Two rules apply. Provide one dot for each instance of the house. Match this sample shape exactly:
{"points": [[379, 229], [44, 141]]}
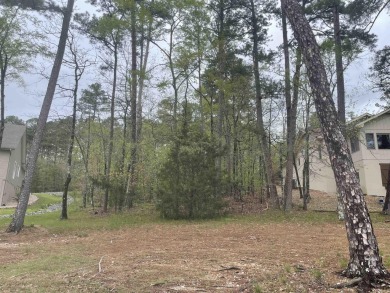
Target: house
{"points": [[12, 162], [369, 142]]}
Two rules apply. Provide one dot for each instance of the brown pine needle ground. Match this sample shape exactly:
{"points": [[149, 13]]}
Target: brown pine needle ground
{"points": [[293, 253]]}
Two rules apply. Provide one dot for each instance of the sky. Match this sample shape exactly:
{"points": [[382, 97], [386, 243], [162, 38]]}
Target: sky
{"points": [[25, 101]]}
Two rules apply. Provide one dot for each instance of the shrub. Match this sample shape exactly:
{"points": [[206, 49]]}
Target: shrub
{"points": [[189, 184]]}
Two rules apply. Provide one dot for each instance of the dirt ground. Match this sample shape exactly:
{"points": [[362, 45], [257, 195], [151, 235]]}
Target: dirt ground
{"points": [[319, 201], [214, 256]]}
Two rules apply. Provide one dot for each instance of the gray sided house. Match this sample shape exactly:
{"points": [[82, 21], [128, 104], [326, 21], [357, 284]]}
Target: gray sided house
{"points": [[12, 162]]}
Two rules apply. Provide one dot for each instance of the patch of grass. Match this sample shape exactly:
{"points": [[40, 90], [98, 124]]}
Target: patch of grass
{"points": [[317, 274], [377, 217], [93, 220], [44, 200], [51, 269], [343, 261], [86, 220], [386, 261], [257, 289]]}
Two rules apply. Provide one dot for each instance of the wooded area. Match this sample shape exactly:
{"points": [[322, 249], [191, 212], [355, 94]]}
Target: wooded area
{"points": [[183, 104]]}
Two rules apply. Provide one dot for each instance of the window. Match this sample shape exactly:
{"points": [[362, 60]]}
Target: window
{"points": [[354, 145], [370, 141], [383, 140]]}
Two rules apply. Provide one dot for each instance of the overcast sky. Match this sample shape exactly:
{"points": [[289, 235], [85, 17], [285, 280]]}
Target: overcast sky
{"points": [[25, 102]]}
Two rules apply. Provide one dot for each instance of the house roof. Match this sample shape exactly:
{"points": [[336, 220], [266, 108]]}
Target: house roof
{"points": [[12, 135], [360, 118], [371, 117]]}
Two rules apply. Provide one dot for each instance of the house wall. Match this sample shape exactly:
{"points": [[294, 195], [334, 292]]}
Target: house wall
{"points": [[322, 178], [321, 173], [15, 173], [4, 159], [367, 160]]}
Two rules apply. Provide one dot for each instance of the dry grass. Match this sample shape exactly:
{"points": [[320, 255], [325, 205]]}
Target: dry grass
{"points": [[241, 254]]}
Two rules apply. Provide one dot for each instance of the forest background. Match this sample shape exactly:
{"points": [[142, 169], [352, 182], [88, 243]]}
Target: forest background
{"points": [[190, 94]]}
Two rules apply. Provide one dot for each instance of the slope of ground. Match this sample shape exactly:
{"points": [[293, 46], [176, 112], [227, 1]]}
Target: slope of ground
{"points": [[271, 252]]}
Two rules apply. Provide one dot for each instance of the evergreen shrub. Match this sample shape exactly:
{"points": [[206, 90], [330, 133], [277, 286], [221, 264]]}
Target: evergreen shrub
{"points": [[189, 185]]}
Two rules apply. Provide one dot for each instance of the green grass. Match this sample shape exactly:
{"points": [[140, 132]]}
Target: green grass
{"points": [[49, 263], [317, 274], [86, 220], [48, 266], [44, 200]]}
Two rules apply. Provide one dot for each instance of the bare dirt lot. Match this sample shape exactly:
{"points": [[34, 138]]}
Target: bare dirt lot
{"points": [[230, 255]]}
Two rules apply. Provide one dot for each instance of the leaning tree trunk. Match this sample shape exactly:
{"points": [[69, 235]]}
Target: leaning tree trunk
{"points": [[340, 87], [20, 211], [365, 260]]}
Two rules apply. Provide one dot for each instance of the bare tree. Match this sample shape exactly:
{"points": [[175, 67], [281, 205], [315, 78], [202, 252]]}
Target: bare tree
{"points": [[78, 63]]}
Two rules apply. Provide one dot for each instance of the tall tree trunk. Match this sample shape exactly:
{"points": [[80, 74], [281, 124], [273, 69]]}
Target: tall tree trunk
{"points": [[141, 80], [199, 65], [306, 173], [107, 169], [221, 55], [3, 60], [271, 186], [120, 198], [290, 123], [133, 109], [85, 157], [298, 180], [20, 211], [340, 87], [64, 211], [339, 67], [87, 187], [365, 260], [174, 77], [306, 164]]}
